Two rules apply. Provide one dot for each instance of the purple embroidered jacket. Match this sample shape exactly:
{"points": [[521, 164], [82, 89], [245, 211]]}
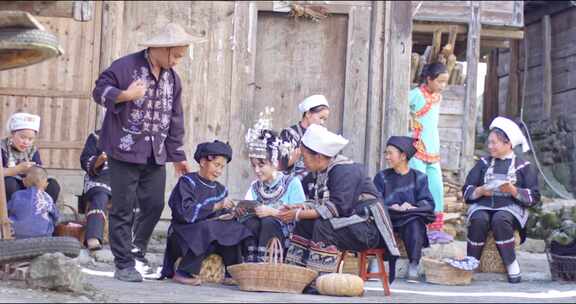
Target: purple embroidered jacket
{"points": [[153, 125]]}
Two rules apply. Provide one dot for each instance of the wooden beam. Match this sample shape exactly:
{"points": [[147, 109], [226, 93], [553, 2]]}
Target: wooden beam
{"points": [[397, 76], [513, 80], [547, 65], [79, 10], [471, 100], [551, 8], [501, 33], [44, 93]]}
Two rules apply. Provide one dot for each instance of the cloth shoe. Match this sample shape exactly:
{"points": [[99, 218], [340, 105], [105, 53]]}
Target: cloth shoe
{"points": [[514, 279], [413, 273], [128, 275]]}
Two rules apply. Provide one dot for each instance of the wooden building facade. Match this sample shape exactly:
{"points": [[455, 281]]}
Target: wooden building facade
{"points": [[255, 55]]}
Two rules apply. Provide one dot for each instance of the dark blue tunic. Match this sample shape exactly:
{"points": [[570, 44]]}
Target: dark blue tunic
{"points": [[193, 219], [411, 188], [151, 127]]}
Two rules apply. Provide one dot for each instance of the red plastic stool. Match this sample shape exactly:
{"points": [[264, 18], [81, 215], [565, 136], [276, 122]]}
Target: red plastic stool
{"points": [[382, 274]]}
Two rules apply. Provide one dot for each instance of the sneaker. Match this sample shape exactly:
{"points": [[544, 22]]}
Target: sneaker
{"points": [[413, 273], [143, 266], [128, 275]]}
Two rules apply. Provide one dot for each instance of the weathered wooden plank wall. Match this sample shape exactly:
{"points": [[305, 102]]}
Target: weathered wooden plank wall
{"points": [[58, 90], [496, 13]]}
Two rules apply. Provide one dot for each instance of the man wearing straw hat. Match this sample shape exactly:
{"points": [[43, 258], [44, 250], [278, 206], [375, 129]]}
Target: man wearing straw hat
{"points": [[142, 130]]}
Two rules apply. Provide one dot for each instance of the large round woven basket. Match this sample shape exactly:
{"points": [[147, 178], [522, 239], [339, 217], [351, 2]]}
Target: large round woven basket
{"points": [[273, 276], [438, 272], [490, 261]]}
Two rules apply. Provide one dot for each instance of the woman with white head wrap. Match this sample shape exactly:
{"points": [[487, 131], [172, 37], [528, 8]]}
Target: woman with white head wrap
{"points": [[19, 153], [500, 189], [345, 211], [314, 110]]}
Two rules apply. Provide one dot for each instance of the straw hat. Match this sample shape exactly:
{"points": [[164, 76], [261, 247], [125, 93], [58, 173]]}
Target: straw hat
{"points": [[171, 35]]}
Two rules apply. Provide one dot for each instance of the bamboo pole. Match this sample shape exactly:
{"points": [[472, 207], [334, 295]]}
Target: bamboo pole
{"points": [[4, 221]]}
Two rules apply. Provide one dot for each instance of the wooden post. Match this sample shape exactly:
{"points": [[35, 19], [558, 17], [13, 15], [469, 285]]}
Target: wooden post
{"points": [[4, 221], [470, 109], [547, 64], [372, 152], [397, 56], [490, 109], [513, 80], [111, 41]]}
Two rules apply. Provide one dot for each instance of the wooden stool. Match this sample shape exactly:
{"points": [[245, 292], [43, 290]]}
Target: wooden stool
{"points": [[490, 261], [382, 274]]}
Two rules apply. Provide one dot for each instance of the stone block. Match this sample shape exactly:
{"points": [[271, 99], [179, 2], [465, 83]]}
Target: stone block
{"points": [[54, 271], [533, 246]]}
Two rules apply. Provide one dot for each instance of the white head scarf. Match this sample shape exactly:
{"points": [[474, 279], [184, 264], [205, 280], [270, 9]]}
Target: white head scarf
{"points": [[512, 131], [322, 141], [311, 102], [19, 121]]}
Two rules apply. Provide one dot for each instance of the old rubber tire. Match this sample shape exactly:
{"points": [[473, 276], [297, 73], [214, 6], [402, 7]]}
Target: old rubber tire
{"points": [[26, 249], [23, 47]]}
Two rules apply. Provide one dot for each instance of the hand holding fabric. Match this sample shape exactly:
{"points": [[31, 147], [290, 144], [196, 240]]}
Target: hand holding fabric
{"points": [[264, 211], [509, 188], [287, 216]]}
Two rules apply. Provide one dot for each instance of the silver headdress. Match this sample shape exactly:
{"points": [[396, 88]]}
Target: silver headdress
{"points": [[261, 141]]}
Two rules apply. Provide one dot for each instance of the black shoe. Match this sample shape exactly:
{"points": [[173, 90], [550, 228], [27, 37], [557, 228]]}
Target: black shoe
{"points": [[310, 290], [128, 275], [515, 279]]}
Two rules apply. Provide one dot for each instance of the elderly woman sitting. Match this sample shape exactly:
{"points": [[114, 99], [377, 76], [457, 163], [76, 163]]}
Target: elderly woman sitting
{"points": [[500, 189], [409, 201]]}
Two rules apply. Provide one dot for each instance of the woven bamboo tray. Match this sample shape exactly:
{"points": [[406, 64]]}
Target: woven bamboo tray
{"points": [[438, 272], [490, 261], [273, 276]]}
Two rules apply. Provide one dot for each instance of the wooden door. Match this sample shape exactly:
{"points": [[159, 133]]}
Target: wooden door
{"points": [[279, 60], [59, 90]]}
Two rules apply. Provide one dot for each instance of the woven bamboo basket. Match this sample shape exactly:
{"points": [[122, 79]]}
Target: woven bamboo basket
{"points": [[490, 261], [438, 272], [273, 275], [350, 262]]}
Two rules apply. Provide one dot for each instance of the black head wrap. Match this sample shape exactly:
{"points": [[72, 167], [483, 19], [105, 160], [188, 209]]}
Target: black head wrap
{"points": [[404, 144], [215, 148]]}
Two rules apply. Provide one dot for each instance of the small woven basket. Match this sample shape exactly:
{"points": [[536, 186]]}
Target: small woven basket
{"points": [[562, 267], [75, 229], [490, 261], [438, 272], [273, 275]]}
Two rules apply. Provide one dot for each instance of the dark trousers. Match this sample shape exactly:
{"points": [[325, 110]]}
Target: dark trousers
{"points": [[14, 184], [263, 230], [356, 237], [502, 224], [130, 183], [95, 214], [414, 236]]}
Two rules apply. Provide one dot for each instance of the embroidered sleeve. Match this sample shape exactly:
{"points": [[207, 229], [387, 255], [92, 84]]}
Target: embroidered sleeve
{"points": [[327, 211], [528, 192], [89, 156], [473, 180], [107, 89]]}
